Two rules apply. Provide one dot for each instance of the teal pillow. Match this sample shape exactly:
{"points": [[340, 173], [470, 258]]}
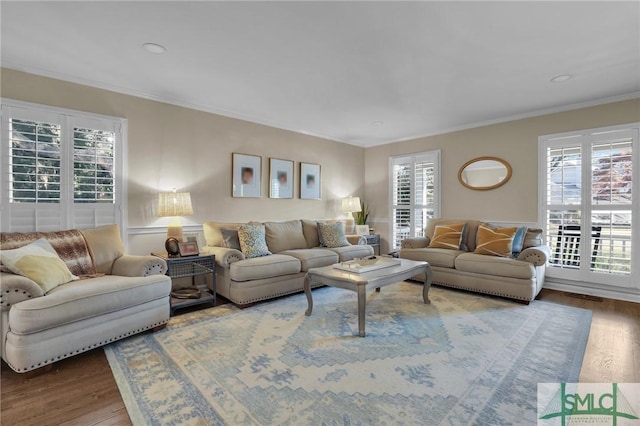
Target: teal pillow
{"points": [[332, 235], [253, 242], [518, 241]]}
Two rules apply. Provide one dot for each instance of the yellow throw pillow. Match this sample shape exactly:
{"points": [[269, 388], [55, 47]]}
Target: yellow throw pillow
{"points": [[40, 263], [495, 242], [447, 236]]}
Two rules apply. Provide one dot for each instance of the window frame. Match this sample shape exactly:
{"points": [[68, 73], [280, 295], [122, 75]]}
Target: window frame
{"points": [[586, 139], [70, 213], [433, 156]]}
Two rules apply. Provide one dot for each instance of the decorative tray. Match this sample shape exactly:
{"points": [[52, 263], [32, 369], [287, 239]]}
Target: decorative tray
{"points": [[367, 264]]}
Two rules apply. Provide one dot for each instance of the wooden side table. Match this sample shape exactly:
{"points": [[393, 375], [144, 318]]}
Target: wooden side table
{"points": [[192, 266]]}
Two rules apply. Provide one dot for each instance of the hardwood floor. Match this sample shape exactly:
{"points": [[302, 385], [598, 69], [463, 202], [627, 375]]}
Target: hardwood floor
{"points": [[82, 391]]}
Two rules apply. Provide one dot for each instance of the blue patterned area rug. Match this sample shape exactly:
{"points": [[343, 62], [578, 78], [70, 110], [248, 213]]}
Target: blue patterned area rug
{"points": [[464, 359]]}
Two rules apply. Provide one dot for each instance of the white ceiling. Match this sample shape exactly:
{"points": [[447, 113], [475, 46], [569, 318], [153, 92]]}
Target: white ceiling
{"points": [[333, 68]]}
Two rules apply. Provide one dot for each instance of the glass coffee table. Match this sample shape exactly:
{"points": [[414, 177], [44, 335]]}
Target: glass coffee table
{"points": [[361, 282]]}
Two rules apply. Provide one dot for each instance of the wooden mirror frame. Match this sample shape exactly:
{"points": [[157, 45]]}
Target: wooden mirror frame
{"points": [[485, 188]]}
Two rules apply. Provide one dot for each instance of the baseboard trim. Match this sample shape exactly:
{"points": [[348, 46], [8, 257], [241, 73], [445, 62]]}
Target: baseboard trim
{"points": [[627, 295]]}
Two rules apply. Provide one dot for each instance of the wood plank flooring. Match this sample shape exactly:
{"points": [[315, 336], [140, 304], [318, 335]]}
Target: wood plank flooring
{"points": [[82, 391]]}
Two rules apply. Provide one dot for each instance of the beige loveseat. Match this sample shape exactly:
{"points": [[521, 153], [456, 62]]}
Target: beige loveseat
{"points": [[124, 295], [520, 277], [296, 248]]}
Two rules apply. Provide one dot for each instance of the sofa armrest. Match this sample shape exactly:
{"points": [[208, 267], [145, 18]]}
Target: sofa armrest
{"points": [[139, 266], [357, 240], [224, 256], [16, 288], [415, 243], [538, 255]]}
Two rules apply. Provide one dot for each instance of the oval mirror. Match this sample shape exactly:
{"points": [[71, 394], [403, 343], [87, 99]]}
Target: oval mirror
{"points": [[484, 173]]}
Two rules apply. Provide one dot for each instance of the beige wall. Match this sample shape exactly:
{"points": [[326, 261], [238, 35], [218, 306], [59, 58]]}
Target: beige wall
{"points": [[171, 146], [515, 141]]}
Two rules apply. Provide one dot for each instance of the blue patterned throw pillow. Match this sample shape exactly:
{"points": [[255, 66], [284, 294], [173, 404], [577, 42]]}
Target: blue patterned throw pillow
{"points": [[332, 235], [253, 242]]}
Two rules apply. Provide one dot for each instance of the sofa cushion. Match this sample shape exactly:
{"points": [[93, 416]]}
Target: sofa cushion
{"points": [[83, 299], [259, 268], [253, 241], [444, 258], [332, 235], [40, 263], [283, 236], [230, 238], [493, 265], [311, 234], [533, 238], [495, 241], [105, 245], [350, 252], [447, 236], [313, 258]]}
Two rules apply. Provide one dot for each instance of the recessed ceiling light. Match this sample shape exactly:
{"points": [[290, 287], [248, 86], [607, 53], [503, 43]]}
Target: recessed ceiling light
{"points": [[154, 48], [377, 123], [561, 78]]}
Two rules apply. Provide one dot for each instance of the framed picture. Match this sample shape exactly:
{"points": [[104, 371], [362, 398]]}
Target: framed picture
{"points": [[310, 182], [280, 178], [189, 249], [247, 172], [192, 237]]}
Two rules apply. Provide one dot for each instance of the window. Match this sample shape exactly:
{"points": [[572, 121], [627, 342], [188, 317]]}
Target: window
{"points": [[415, 187], [62, 169], [589, 204]]}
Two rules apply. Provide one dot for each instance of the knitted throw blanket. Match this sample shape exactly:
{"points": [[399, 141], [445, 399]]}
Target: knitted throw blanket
{"points": [[70, 246]]}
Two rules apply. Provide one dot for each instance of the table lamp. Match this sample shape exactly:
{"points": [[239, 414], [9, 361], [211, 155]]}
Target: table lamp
{"points": [[349, 206], [174, 204]]}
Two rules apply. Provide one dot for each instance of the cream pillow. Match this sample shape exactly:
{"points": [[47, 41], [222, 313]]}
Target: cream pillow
{"points": [[40, 263]]}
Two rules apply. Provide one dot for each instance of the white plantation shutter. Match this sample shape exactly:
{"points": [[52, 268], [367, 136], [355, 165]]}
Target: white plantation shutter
{"points": [[589, 204], [62, 169], [97, 180], [414, 194]]}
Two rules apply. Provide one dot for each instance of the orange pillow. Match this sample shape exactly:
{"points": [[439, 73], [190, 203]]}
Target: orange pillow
{"points": [[495, 242], [447, 236]]}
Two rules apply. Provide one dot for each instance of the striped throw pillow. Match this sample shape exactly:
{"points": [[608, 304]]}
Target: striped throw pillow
{"points": [[447, 236], [495, 242]]}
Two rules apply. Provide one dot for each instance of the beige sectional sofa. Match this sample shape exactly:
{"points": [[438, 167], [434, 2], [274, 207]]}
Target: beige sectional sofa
{"points": [[296, 248], [124, 295], [520, 277]]}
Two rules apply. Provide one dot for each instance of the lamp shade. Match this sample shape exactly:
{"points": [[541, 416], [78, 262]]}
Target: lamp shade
{"points": [[174, 204], [351, 204]]}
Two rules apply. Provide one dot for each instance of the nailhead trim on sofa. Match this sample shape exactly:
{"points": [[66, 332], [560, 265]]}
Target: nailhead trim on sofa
{"points": [[86, 348], [493, 293]]}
